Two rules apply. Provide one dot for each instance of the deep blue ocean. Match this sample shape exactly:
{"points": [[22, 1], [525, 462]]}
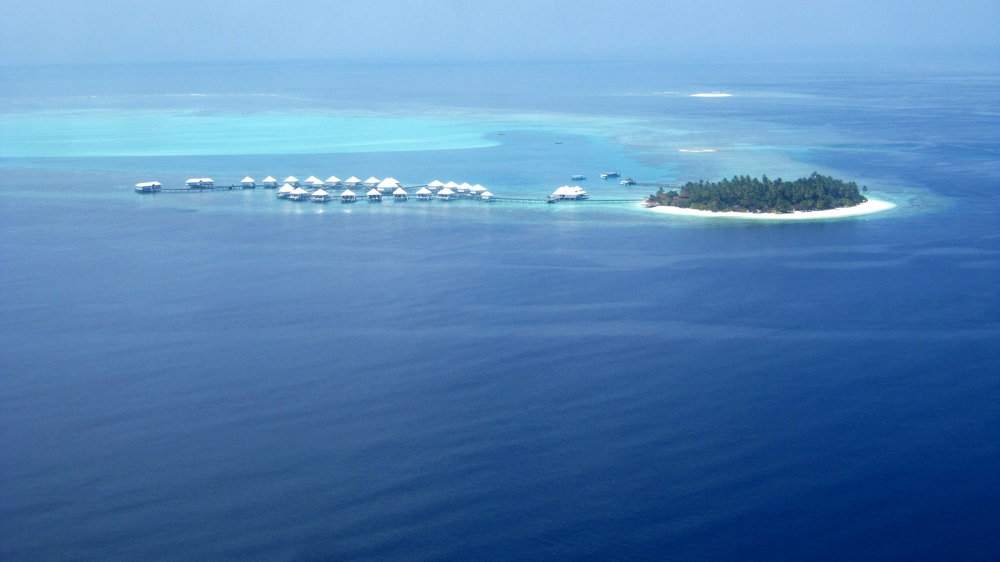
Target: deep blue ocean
{"points": [[227, 376]]}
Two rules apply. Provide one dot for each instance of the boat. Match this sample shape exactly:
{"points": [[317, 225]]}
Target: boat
{"points": [[320, 196], [399, 194], [607, 175], [148, 187], [627, 181], [567, 193], [348, 196], [578, 177]]}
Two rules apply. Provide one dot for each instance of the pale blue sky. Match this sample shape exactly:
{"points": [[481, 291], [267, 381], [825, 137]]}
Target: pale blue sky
{"points": [[57, 31]]}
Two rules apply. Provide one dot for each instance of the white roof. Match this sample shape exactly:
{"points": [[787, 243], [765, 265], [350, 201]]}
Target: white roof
{"points": [[423, 191], [567, 190], [312, 179], [451, 184], [299, 191], [353, 179], [291, 179], [446, 191], [247, 179], [374, 192], [387, 183], [464, 186], [372, 180], [347, 193], [333, 179], [399, 191], [202, 180], [317, 183], [435, 183], [486, 194], [269, 179], [148, 184], [477, 187], [319, 192], [285, 188]]}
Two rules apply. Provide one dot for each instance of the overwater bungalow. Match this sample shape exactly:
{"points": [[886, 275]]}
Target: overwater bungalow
{"points": [[399, 194], [148, 187], [313, 179], [200, 183], [486, 196], [388, 184], [476, 190], [435, 185], [445, 194], [374, 195], [463, 188], [270, 182], [372, 181], [298, 194], [320, 196], [451, 185], [424, 194], [248, 183], [284, 191], [352, 182], [332, 181], [292, 180], [316, 184], [348, 196], [567, 193]]}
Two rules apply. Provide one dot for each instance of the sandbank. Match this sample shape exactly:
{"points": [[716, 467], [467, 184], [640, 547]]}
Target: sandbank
{"points": [[868, 207], [712, 95]]}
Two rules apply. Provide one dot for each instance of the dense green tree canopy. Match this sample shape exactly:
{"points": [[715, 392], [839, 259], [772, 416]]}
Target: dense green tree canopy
{"points": [[743, 193]]}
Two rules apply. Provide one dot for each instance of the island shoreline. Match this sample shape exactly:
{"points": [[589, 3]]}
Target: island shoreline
{"points": [[866, 208]]}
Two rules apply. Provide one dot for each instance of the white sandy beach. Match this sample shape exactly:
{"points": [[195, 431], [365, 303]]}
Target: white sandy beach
{"points": [[866, 208]]}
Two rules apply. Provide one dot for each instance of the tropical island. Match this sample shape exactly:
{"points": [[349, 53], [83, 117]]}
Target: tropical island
{"points": [[743, 194]]}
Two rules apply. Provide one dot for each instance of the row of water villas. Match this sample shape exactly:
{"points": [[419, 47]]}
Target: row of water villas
{"points": [[293, 190]]}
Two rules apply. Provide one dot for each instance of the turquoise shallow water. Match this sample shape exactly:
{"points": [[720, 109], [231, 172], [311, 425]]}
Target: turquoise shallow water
{"points": [[227, 376]]}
